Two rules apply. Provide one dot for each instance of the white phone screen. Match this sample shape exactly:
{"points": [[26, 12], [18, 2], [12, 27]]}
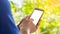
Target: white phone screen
{"points": [[36, 15]]}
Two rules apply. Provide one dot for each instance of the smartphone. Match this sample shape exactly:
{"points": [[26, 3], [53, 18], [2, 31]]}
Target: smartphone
{"points": [[36, 15]]}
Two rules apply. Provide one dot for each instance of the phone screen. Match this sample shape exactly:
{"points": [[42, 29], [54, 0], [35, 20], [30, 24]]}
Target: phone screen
{"points": [[36, 16]]}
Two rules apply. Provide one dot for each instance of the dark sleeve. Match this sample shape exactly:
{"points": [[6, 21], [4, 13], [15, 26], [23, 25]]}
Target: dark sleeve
{"points": [[7, 24]]}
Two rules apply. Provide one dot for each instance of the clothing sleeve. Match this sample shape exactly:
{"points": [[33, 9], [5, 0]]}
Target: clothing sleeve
{"points": [[7, 24]]}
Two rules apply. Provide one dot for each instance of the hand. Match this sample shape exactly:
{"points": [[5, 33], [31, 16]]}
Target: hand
{"points": [[27, 23]]}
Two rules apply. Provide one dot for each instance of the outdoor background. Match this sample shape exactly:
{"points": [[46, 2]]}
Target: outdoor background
{"points": [[50, 21]]}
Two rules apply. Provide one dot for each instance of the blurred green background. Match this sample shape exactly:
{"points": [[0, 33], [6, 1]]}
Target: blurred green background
{"points": [[50, 21]]}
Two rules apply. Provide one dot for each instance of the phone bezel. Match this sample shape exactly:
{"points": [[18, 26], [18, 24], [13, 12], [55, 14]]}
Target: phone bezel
{"points": [[41, 15]]}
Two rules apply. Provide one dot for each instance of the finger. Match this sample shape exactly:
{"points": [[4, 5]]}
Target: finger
{"points": [[23, 20], [28, 17], [30, 21], [37, 25], [27, 22], [32, 26], [24, 23]]}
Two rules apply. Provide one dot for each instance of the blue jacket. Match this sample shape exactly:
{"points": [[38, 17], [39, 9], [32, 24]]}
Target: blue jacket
{"points": [[7, 24]]}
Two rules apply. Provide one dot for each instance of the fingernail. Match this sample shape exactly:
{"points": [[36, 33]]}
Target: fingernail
{"points": [[32, 19]]}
